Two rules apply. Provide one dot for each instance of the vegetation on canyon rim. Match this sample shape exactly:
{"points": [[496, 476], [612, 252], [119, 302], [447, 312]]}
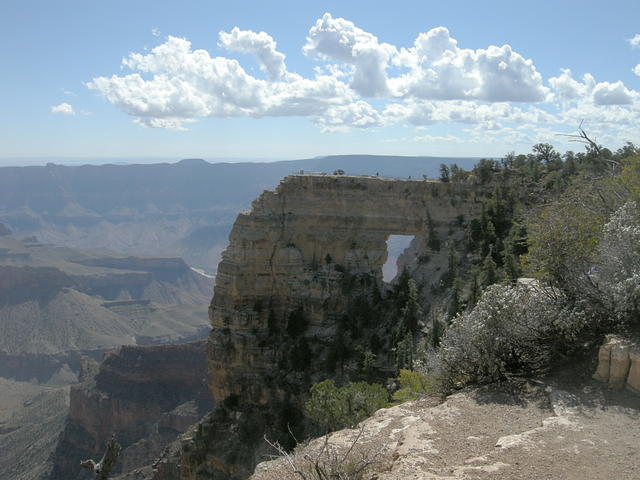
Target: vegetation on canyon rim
{"points": [[571, 221]]}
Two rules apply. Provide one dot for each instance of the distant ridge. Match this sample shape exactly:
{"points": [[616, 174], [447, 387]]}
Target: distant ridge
{"points": [[182, 209]]}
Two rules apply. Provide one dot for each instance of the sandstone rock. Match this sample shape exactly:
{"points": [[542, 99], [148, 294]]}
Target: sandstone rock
{"points": [[619, 364], [294, 264], [633, 378], [481, 434], [604, 362], [289, 253]]}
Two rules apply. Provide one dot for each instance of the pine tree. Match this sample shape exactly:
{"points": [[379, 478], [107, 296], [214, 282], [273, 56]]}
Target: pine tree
{"points": [[489, 271], [474, 289]]}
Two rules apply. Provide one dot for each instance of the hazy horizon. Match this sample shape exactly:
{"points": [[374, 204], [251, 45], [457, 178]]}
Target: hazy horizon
{"points": [[79, 161]]}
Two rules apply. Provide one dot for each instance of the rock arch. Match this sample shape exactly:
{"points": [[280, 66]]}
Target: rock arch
{"points": [[290, 253]]}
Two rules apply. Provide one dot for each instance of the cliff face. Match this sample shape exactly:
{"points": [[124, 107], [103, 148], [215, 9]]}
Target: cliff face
{"points": [[297, 258], [145, 396], [298, 265]]}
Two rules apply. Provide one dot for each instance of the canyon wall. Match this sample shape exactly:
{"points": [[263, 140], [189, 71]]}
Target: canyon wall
{"points": [[145, 396], [301, 253]]}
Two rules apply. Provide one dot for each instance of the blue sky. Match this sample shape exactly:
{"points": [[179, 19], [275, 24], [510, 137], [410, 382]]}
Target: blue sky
{"points": [[281, 79]]}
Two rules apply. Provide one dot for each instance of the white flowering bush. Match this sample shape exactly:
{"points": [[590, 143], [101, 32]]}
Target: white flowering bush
{"points": [[618, 274], [512, 330]]}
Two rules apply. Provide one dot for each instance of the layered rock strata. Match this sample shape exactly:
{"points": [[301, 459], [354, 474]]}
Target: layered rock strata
{"points": [[295, 266], [294, 260], [145, 396]]}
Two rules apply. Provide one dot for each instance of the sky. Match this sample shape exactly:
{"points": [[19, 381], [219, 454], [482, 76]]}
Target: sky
{"points": [[142, 79]]}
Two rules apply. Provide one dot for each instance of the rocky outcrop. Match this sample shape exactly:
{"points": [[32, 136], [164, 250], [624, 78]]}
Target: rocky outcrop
{"points": [[303, 263], [297, 257], [619, 364], [297, 266], [532, 432], [145, 396]]}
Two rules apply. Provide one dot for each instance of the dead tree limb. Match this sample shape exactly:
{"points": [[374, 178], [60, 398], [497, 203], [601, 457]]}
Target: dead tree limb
{"points": [[102, 469]]}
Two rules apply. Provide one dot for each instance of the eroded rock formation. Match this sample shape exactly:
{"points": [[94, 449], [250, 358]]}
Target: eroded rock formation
{"points": [[297, 257], [484, 434], [298, 264], [145, 396]]}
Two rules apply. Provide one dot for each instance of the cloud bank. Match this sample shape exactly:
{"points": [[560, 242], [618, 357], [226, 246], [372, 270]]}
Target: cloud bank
{"points": [[361, 82]]}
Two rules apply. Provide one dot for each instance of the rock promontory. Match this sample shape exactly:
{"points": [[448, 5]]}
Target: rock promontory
{"points": [[294, 261]]}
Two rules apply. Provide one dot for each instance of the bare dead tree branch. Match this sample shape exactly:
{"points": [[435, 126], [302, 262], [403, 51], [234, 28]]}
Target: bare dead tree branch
{"points": [[327, 463], [582, 137], [102, 469]]}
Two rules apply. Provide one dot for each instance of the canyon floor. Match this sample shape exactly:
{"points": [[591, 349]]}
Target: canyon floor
{"points": [[563, 427]]}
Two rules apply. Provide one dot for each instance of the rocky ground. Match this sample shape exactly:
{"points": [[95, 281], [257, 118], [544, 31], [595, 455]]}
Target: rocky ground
{"points": [[564, 427]]}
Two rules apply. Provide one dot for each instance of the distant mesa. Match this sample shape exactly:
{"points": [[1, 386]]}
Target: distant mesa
{"points": [[192, 162]]}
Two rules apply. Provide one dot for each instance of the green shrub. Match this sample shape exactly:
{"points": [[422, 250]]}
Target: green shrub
{"points": [[413, 385], [334, 407]]}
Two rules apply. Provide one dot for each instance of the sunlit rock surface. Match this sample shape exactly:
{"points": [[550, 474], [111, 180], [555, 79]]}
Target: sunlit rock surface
{"points": [[619, 364], [287, 258]]}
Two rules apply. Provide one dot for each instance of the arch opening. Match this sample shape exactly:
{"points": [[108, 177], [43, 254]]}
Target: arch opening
{"points": [[396, 245]]}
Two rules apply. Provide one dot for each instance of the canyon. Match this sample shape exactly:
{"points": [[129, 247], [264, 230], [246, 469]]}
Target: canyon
{"points": [[144, 395], [61, 310], [297, 300]]}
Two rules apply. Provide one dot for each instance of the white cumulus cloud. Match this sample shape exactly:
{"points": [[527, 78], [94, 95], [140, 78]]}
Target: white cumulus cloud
{"points": [[337, 39], [566, 88], [492, 89], [63, 108], [174, 84], [440, 70], [358, 114], [636, 69], [260, 44], [606, 93], [635, 40]]}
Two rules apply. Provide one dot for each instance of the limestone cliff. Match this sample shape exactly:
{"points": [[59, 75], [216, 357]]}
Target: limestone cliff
{"points": [[303, 263], [297, 258]]}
